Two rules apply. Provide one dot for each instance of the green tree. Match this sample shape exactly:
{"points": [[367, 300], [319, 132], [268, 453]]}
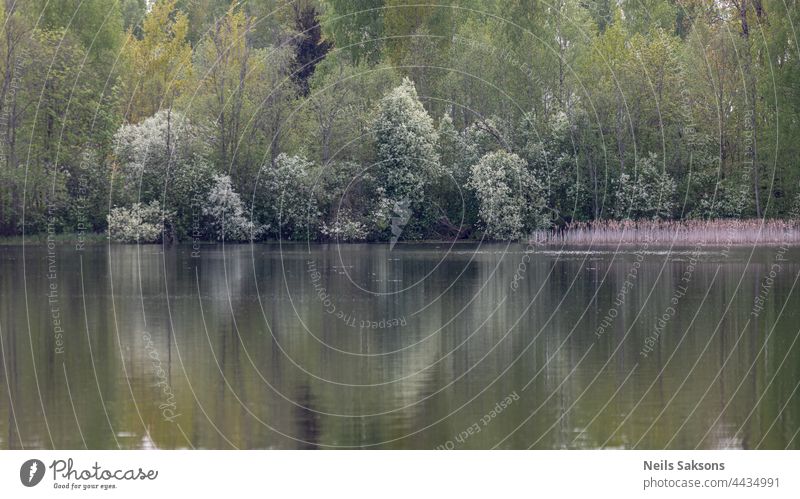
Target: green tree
{"points": [[95, 24], [158, 66], [648, 192], [228, 69], [357, 27], [133, 13], [164, 158], [406, 144], [310, 47], [511, 201]]}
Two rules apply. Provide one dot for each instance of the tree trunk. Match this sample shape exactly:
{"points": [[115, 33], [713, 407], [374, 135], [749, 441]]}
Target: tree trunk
{"points": [[751, 96]]}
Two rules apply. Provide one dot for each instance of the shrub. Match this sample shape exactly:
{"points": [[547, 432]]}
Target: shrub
{"points": [[287, 203], [165, 157], [227, 213], [345, 227], [511, 201], [648, 193], [138, 224], [406, 142]]}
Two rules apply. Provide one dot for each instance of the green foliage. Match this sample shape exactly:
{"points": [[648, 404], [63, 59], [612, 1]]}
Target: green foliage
{"points": [[356, 26], [88, 193], [310, 48], [550, 154], [648, 192], [159, 65], [95, 24], [341, 106], [133, 13], [230, 79], [286, 203], [562, 100], [644, 16], [511, 201], [406, 144]]}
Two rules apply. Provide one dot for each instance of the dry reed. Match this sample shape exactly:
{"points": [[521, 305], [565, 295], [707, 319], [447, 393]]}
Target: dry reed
{"points": [[721, 232]]}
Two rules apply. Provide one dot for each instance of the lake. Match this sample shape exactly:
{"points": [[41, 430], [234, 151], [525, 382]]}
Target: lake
{"points": [[425, 346]]}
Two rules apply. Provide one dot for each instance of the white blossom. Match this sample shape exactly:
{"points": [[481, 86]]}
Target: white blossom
{"points": [[345, 227], [407, 144], [140, 223], [510, 199], [227, 212], [289, 202]]}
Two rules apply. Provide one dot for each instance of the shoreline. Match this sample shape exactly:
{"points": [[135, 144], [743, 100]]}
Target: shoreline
{"points": [[582, 234]]}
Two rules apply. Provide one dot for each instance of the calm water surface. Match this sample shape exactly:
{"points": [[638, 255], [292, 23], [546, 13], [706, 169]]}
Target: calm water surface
{"points": [[469, 346]]}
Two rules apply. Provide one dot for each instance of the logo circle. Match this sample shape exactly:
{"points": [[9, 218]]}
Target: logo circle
{"points": [[31, 472]]}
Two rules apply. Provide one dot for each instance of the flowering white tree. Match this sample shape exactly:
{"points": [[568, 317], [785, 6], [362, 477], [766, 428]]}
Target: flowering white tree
{"points": [[406, 144], [286, 200], [511, 201], [227, 212], [164, 158], [166, 139], [138, 224], [345, 227], [719, 198]]}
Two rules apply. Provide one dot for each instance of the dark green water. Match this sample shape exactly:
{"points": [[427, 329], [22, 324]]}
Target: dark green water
{"points": [[418, 347]]}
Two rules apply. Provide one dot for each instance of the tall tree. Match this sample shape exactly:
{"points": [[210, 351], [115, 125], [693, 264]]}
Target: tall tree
{"points": [[310, 48], [159, 65], [96, 24], [357, 27], [228, 68], [748, 12], [406, 141]]}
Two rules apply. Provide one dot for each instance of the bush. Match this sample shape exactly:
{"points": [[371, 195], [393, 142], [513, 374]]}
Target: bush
{"points": [[345, 227], [714, 198], [648, 193], [287, 203], [165, 157], [511, 201], [406, 144], [227, 213], [138, 224]]}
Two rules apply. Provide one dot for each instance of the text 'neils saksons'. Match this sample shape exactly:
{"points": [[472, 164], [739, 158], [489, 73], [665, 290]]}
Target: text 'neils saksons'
{"points": [[664, 465]]}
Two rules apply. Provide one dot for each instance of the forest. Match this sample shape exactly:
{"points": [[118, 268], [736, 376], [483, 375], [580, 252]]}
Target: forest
{"points": [[378, 120]]}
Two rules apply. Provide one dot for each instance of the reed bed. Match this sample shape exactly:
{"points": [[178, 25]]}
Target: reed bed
{"points": [[720, 232]]}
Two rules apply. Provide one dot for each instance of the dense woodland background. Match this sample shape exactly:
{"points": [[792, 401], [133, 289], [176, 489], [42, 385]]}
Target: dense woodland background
{"points": [[346, 119]]}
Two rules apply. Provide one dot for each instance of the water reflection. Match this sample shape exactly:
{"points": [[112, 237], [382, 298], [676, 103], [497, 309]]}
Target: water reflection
{"points": [[285, 346]]}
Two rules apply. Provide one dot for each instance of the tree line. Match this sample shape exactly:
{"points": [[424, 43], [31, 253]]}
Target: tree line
{"points": [[367, 119]]}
